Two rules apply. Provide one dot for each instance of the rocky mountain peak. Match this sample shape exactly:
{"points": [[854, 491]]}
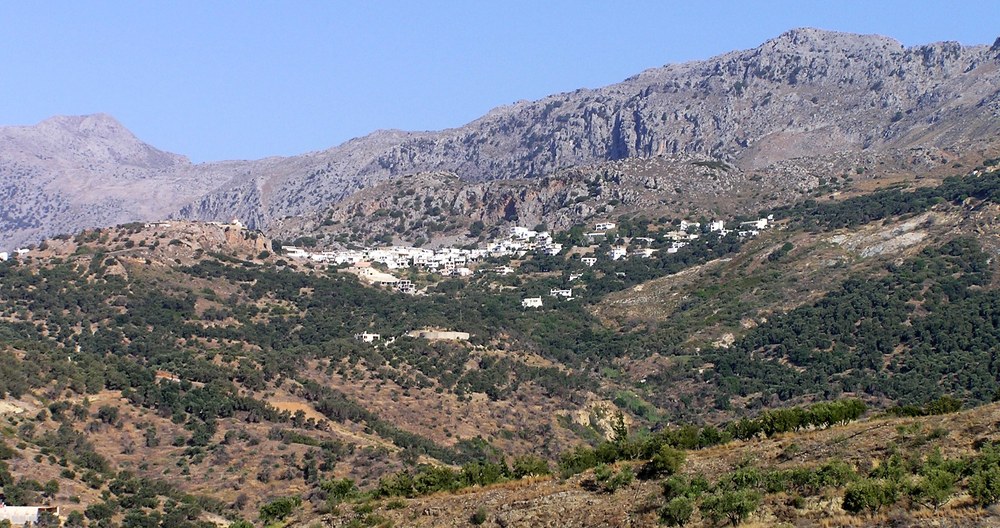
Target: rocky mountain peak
{"points": [[99, 125], [96, 139], [824, 41]]}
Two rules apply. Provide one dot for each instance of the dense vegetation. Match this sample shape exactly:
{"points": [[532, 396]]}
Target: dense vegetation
{"points": [[933, 306], [894, 202]]}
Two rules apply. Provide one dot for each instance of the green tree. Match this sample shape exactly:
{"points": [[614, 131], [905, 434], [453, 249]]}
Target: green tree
{"points": [[870, 495], [665, 462], [936, 487], [984, 486], [734, 506], [677, 511], [278, 509]]}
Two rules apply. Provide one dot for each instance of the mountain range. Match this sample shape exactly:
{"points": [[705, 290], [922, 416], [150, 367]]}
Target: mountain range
{"points": [[777, 117]]}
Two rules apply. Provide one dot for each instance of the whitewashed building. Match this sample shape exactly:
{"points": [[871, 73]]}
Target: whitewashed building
{"points": [[618, 252], [367, 337], [531, 302], [21, 515]]}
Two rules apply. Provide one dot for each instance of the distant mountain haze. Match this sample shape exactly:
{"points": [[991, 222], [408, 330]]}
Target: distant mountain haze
{"points": [[806, 94]]}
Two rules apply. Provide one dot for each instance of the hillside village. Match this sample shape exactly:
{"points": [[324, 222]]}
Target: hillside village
{"points": [[517, 242]]}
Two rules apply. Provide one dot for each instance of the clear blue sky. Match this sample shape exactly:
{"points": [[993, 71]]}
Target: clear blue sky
{"points": [[218, 80]]}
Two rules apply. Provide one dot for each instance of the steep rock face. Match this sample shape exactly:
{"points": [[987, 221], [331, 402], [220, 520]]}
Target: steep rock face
{"points": [[441, 209], [805, 93]]}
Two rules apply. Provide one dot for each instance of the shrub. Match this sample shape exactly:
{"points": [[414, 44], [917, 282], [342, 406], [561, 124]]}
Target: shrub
{"points": [[936, 488], [339, 489], [278, 509], [870, 495], [479, 517], [735, 506], [677, 512], [607, 480], [665, 462], [528, 465], [984, 486]]}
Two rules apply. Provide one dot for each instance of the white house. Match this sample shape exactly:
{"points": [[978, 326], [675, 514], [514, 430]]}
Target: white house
{"points": [[461, 272], [366, 337], [531, 302], [604, 226], [589, 261], [618, 252], [500, 270], [406, 286], [556, 292], [374, 276], [522, 233], [4, 256], [717, 226], [574, 276], [21, 515], [755, 225], [295, 252], [685, 225], [439, 335], [550, 249]]}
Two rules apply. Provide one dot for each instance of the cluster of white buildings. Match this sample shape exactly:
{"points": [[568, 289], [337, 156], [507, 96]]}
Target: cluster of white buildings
{"points": [[518, 242], [521, 240], [686, 232], [455, 261], [395, 257]]}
